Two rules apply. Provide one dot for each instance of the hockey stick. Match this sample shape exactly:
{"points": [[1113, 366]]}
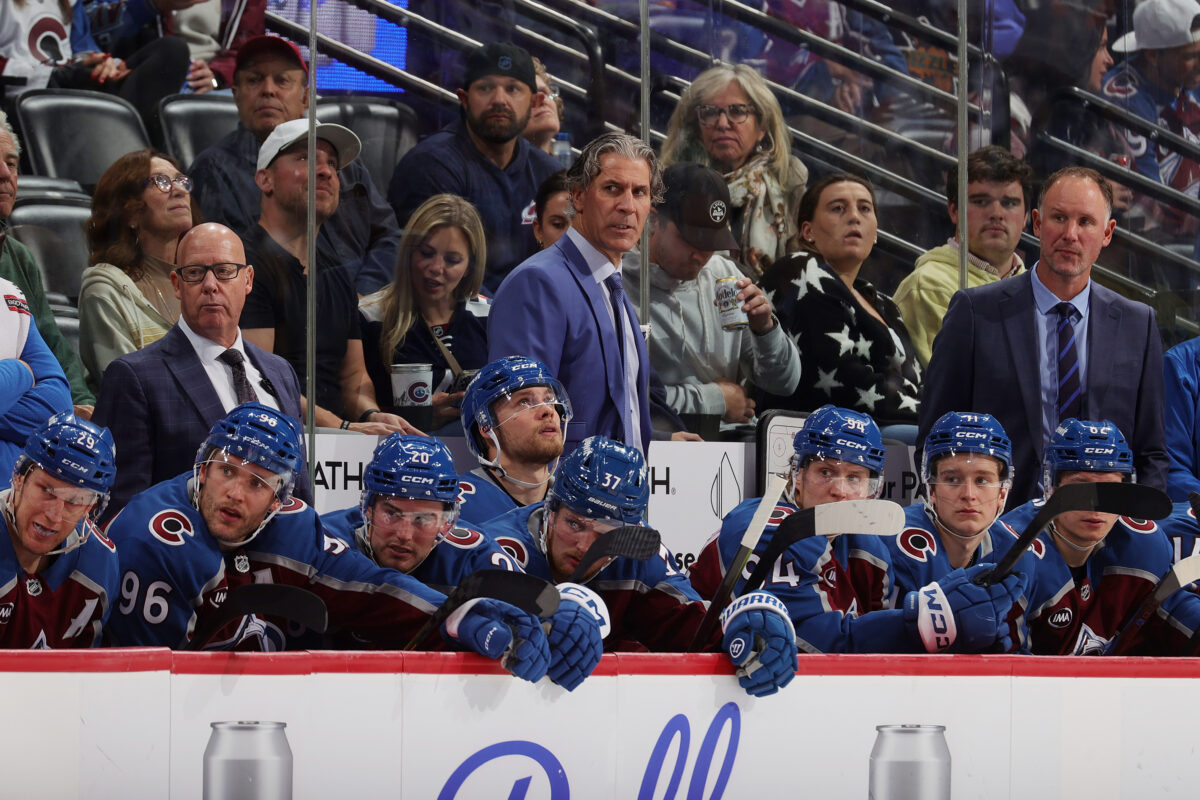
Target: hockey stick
{"points": [[1124, 499], [762, 515], [1184, 572], [262, 599], [866, 517], [527, 592], [628, 541]]}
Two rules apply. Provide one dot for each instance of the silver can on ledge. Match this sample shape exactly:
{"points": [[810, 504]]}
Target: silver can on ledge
{"points": [[910, 762], [248, 761]]}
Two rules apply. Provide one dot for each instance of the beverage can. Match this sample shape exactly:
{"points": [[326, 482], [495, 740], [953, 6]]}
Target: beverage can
{"points": [[249, 760], [910, 762], [412, 393], [730, 308]]}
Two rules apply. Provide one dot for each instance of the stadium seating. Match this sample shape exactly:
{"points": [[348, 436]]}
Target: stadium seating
{"points": [[54, 230], [387, 128], [191, 123]]}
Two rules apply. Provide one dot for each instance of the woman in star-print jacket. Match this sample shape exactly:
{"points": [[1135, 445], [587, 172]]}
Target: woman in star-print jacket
{"points": [[854, 349]]}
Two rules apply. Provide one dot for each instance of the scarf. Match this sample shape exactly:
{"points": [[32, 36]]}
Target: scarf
{"points": [[765, 215]]}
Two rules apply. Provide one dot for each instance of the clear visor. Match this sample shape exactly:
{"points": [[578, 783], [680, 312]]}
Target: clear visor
{"points": [[72, 496], [387, 516], [853, 480], [272, 481], [510, 405]]}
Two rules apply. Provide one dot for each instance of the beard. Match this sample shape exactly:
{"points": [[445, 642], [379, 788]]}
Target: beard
{"points": [[498, 131], [534, 450]]}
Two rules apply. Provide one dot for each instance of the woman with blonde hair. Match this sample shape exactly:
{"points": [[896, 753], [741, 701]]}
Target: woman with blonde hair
{"points": [[426, 314], [729, 120]]}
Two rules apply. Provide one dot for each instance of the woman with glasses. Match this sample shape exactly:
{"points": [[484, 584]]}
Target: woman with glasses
{"points": [[729, 120], [854, 348], [140, 208], [424, 315], [545, 119]]}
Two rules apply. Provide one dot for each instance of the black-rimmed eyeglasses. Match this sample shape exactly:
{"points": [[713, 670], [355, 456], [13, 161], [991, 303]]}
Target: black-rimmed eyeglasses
{"points": [[164, 182], [194, 273]]}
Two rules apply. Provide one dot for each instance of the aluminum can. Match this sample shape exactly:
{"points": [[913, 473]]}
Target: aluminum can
{"points": [[732, 316], [412, 393], [248, 761], [910, 762]]}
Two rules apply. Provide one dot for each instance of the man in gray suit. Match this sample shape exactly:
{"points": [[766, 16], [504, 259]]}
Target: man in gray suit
{"points": [[1051, 344], [163, 399]]}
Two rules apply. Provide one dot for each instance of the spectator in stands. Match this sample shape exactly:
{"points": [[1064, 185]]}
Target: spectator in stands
{"points": [[703, 365], [214, 31], [553, 210], [424, 315], [854, 349], [275, 315], [546, 118], [140, 208], [160, 401], [1158, 81], [998, 192], [729, 120], [484, 158], [1181, 417], [567, 306], [1053, 344], [86, 45], [270, 81], [18, 265]]}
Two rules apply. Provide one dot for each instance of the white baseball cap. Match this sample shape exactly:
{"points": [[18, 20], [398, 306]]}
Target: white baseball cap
{"points": [[1161, 24], [286, 134]]}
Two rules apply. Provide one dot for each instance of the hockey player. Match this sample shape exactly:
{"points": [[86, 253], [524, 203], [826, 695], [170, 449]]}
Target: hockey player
{"points": [[840, 590], [1092, 570], [966, 467], [407, 520], [603, 485], [60, 572], [514, 414], [185, 542]]}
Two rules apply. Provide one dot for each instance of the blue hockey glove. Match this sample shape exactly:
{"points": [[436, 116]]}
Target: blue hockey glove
{"points": [[760, 641], [954, 612], [496, 629], [576, 633]]}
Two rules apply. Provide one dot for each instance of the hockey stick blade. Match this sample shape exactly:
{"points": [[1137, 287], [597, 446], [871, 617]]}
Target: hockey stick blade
{"points": [[263, 599], [628, 541], [865, 517], [762, 515], [527, 592], [1124, 499], [1183, 573]]}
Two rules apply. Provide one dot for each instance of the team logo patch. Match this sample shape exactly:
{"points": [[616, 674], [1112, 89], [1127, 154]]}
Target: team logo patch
{"points": [[241, 562], [418, 392], [917, 544], [1061, 618], [717, 211], [1085, 592], [294, 505], [17, 303], [514, 548], [6, 611], [830, 577], [529, 215], [33, 586], [465, 490], [505, 63], [100, 537], [778, 515], [464, 538], [1140, 525], [170, 526]]}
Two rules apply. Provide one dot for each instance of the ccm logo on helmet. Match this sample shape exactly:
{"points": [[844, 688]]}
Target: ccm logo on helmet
{"points": [[971, 435], [417, 479], [851, 444], [1097, 451]]}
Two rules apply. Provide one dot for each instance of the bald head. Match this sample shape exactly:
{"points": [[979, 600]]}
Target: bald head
{"points": [[212, 307]]}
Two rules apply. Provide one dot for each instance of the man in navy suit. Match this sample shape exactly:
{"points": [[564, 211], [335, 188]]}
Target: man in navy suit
{"points": [[160, 401], [1003, 346], [566, 306]]}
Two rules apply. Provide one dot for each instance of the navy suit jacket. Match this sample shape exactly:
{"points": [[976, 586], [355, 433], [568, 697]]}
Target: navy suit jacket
{"points": [[985, 359], [160, 405], [551, 308]]}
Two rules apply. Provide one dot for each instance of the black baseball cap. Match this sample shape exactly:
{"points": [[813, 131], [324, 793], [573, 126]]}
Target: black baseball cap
{"points": [[500, 58], [697, 200]]}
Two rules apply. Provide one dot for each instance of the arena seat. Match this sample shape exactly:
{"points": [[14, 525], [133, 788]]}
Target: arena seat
{"points": [[387, 128], [40, 187], [192, 123], [54, 231], [71, 133]]}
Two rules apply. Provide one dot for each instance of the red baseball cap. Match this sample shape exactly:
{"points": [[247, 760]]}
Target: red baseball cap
{"points": [[270, 45]]}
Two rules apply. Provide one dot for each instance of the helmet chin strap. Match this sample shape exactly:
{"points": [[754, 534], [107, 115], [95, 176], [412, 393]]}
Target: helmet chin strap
{"points": [[504, 474], [932, 512], [1078, 548]]}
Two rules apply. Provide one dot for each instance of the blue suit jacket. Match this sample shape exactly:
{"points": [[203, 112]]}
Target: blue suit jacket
{"points": [[551, 308], [985, 359], [160, 405]]}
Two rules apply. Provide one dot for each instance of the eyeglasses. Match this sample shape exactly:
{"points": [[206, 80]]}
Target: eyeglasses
{"points": [[737, 113], [194, 273], [953, 484], [419, 521], [164, 183], [551, 91]]}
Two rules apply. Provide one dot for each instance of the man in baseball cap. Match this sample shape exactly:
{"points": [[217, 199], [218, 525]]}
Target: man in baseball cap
{"points": [[483, 157], [697, 359]]}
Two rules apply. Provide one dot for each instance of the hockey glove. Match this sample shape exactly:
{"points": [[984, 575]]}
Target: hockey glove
{"points": [[496, 629], [760, 641], [954, 612], [576, 633]]}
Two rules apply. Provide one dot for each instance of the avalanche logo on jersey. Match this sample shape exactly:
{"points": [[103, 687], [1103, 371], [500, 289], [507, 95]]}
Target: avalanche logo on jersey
{"points": [[919, 545], [294, 505], [170, 526], [514, 548], [529, 215], [778, 515], [254, 634], [465, 490], [1140, 525], [463, 538], [1038, 548], [1088, 643]]}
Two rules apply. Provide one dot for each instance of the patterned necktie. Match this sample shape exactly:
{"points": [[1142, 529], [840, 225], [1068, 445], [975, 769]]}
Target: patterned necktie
{"points": [[1070, 393], [616, 291], [241, 384]]}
